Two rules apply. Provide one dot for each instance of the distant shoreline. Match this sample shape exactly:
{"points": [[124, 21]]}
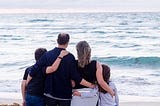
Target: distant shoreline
{"points": [[27, 11]]}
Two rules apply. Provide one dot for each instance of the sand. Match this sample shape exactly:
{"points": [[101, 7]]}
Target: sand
{"points": [[10, 98], [139, 101]]}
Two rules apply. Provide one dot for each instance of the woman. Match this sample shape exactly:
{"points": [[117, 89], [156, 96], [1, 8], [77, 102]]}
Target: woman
{"points": [[105, 99], [90, 70]]}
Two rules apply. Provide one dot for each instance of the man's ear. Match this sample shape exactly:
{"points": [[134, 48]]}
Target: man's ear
{"points": [[67, 43]]}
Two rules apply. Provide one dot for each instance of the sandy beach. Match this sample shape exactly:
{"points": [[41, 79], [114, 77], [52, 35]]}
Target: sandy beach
{"points": [[139, 101], [10, 98]]}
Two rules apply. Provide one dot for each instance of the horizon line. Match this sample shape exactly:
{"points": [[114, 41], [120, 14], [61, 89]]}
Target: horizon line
{"points": [[16, 11]]}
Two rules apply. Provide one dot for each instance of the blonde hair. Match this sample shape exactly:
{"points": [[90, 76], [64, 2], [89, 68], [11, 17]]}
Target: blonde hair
{"points": [[84, 53]]}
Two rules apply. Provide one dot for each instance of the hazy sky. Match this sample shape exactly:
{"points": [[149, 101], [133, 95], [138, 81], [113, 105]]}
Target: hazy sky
{"points": [[148, 5]]}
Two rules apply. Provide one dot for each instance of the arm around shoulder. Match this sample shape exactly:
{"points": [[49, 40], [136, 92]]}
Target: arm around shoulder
{"points": [[56, 64], [101, 81]]}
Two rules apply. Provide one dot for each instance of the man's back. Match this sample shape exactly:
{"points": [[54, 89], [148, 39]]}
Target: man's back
{"points": [[57, 84], [58, 89]]}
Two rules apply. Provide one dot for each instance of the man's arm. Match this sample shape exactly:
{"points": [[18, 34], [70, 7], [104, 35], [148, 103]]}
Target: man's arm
{"points": [[101, 81], [56, 64]]}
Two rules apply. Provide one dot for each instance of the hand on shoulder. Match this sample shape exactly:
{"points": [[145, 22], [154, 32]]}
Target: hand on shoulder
{"points": [[63, 53]]}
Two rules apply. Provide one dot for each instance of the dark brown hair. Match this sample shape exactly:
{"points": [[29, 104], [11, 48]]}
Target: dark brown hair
{"points": [[106, 76], [39, 52], [63, 38]]}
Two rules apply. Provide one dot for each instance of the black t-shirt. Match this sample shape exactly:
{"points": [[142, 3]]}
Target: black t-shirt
{"points": [[58, 83], [36, 85], [88, 73]]}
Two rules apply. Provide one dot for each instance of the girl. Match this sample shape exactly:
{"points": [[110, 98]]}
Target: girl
{"points": [[105, 99]]}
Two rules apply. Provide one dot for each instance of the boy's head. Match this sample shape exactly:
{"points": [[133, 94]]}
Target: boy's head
{"points": [[39, 52], [106, 76]]}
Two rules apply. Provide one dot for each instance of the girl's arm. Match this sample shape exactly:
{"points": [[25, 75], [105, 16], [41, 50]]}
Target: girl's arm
{"points": [[55, 65], [101, 81]]}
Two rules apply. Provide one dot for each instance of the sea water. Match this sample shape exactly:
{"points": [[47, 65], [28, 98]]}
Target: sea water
{"points": [[128, 42]]}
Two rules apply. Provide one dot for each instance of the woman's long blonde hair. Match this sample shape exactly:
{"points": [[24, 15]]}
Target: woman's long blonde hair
{"points": [[84, 53]]}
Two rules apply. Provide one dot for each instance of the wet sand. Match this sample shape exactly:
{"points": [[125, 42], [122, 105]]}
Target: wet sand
{"points": [[11, 98]]}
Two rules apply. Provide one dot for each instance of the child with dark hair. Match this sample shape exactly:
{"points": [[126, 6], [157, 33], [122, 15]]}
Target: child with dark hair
{"points": [[105, 99], [32, 95]]}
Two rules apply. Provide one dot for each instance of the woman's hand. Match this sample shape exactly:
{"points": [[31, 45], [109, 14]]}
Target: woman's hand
{"points": [[76, 93], [63, 53]]}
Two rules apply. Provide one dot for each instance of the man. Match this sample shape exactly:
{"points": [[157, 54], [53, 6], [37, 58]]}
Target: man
{"points": [[58, 88], [32, 95]]}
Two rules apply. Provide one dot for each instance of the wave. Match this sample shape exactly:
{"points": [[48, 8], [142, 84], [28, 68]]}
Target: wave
{"points": [[10, 37], [40, 20], [138, 62]]}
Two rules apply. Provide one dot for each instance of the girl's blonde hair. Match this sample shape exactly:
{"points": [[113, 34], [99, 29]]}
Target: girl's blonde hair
{"points": [[84, 53]]}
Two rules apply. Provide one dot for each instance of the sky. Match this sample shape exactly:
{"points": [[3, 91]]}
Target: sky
{"points": [[105, 5]]}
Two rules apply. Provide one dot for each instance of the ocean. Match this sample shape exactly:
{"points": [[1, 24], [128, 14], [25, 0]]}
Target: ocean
{"points": [[128, 42]]}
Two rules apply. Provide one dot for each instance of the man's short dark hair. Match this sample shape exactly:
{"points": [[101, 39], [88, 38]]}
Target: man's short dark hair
{"points": [[39, 52], [63, 38]]}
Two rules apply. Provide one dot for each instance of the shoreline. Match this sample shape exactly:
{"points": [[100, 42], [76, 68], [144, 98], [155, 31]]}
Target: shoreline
{"points": [[125, 100], [69, 10]]}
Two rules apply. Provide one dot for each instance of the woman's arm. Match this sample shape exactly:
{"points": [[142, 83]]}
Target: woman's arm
{"points": [[88, 93], [101, 81], [87, 84], [55, 65]]}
